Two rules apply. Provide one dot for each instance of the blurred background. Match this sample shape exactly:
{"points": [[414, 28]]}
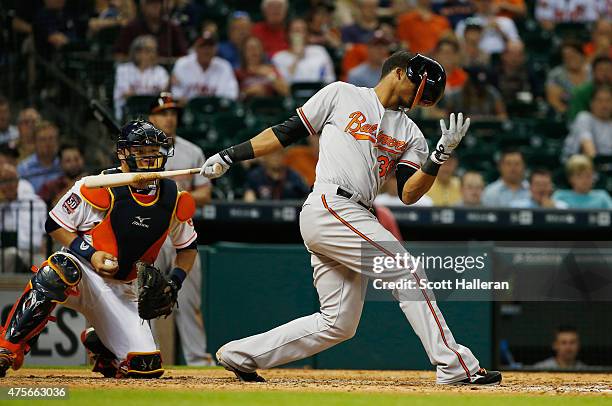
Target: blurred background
{"points": [[534, 76]]}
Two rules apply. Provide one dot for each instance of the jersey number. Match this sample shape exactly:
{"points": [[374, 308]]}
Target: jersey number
{"points": [[385, 165]]}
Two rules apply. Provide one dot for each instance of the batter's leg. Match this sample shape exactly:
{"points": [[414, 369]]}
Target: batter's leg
{"points": [[341, 294]]}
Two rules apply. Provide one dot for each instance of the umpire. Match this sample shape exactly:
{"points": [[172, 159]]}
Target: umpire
{"points": [[190, 324]]}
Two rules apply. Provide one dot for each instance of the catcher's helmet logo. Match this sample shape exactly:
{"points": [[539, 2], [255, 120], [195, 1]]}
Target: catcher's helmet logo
{"points": [[140, 221]]}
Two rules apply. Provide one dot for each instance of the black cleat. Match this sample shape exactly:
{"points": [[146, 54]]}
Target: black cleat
{"points": [[6, 361], [242, 376], [483, 377], [103, 358]]}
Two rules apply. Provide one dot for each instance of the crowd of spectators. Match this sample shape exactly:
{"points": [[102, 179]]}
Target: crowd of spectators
{"points": [[184, 47]]}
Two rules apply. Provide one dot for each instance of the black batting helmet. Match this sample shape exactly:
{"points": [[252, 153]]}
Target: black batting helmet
{"points": [[430, 78], [132, 144]]}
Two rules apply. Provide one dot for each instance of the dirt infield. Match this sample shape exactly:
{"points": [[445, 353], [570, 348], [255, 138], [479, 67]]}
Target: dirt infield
{"points": [[216, 379]]}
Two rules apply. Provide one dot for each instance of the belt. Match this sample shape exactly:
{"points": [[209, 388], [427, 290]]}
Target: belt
{"points": [[348, 195]]}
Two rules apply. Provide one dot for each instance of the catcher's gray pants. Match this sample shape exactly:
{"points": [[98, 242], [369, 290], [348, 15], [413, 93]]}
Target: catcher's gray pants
{"points": [[188, 315], [335, 231]]}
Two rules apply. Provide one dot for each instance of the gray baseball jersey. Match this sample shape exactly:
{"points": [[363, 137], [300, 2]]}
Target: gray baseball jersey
{"points": [[360, 144], [342, 114]]}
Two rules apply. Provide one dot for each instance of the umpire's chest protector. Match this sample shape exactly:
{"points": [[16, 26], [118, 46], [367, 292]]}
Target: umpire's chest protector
{"points": [[132, 230]]}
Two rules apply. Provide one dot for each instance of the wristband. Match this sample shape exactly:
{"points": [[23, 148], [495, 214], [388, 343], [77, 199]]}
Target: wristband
{"points": [[80, 247], [430, 167], [178, 276]]}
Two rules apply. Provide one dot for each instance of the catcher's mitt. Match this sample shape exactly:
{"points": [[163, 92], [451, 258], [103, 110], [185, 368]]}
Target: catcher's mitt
{"points": [[156, 293]]}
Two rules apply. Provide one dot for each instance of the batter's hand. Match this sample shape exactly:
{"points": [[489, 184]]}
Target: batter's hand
{"points": [[104, 264], [451, 137], [216, 166]]}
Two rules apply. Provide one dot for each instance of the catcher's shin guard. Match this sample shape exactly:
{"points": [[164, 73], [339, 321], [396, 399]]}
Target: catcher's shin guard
{"points": [[141, 365], [53, 283]]}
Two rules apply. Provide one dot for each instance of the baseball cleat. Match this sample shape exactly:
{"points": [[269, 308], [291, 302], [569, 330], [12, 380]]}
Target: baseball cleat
{"points": [[103, 358], [6, 361], [483, 377], [242, 376]]}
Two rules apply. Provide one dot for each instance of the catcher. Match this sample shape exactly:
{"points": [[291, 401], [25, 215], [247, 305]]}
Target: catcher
{"points": [[111, 237]]}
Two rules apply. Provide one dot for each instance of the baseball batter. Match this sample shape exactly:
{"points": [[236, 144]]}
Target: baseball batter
{"points": [[188, 316], [364, 136], [108, 234]]}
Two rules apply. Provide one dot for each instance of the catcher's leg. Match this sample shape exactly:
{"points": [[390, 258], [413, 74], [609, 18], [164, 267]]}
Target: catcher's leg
{"points": [[51, 284], [111, 307]]}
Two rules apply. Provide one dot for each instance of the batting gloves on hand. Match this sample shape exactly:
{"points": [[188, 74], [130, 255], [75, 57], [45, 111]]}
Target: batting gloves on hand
{"points": [[450, 138], [216, 165]]}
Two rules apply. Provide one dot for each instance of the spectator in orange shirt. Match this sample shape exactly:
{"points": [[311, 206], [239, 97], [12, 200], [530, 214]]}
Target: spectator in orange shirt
{"points": [[272, 31], [421, 29], [510, 8], [448, 53], [601, 40], [303, 159]]}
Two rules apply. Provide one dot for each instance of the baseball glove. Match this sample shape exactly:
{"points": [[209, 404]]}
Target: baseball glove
{"points": [[156, 293]]}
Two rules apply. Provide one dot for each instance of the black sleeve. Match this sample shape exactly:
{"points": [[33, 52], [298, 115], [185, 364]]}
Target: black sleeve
{"points": [[51, 225], [402, 173], [192, 246], [290, 131]]}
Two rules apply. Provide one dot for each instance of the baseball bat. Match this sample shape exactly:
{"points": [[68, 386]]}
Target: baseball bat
{"points": [[127, 178]]}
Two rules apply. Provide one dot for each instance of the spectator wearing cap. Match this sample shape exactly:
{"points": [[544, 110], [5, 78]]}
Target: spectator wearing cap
{"points": [[511, 185], [367, 74], [201, 73], [43, 165], [272, 30], [27, 120], [238, 30], [471, 53], [257, 78], [541, 189], [564, 78], [142, 75], [421, 29], [171, 41], [303, 62], [497, 30], [601, 73], [591, 132], [366, 23], [478, 98], [164, 115], [8, 133], [454, 10], [581, 176], [23, 222]]}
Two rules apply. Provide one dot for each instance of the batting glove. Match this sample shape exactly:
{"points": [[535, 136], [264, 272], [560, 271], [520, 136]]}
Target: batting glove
{"points": [[216, 165], [450, 138]]}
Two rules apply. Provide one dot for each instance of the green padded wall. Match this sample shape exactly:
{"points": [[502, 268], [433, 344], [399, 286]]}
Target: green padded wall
{"points": [[248, 289]]}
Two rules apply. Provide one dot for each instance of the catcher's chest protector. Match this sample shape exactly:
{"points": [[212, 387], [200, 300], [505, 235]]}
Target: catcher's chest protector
{"points": [[132, 230]]}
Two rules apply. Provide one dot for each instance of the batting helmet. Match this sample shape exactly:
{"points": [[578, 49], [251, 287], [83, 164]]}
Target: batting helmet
{"points": [[430, 78], [144, 147]]}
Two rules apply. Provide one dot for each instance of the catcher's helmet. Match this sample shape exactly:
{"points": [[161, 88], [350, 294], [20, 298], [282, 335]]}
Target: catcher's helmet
{"points": [[144, 147], [430, 78]]}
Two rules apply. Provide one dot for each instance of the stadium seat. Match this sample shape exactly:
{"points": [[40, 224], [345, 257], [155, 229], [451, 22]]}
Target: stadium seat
{"points": [[268, 110], [302, 91], [137, 107], [200, 111]]}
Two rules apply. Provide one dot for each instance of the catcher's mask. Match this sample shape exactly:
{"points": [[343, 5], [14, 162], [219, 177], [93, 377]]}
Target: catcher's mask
{"points": [[143, 147], [429, 77]]}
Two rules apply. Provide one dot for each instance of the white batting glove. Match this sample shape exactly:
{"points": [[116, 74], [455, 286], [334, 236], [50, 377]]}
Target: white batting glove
{"points": [[216, 166], [450, 138]]}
